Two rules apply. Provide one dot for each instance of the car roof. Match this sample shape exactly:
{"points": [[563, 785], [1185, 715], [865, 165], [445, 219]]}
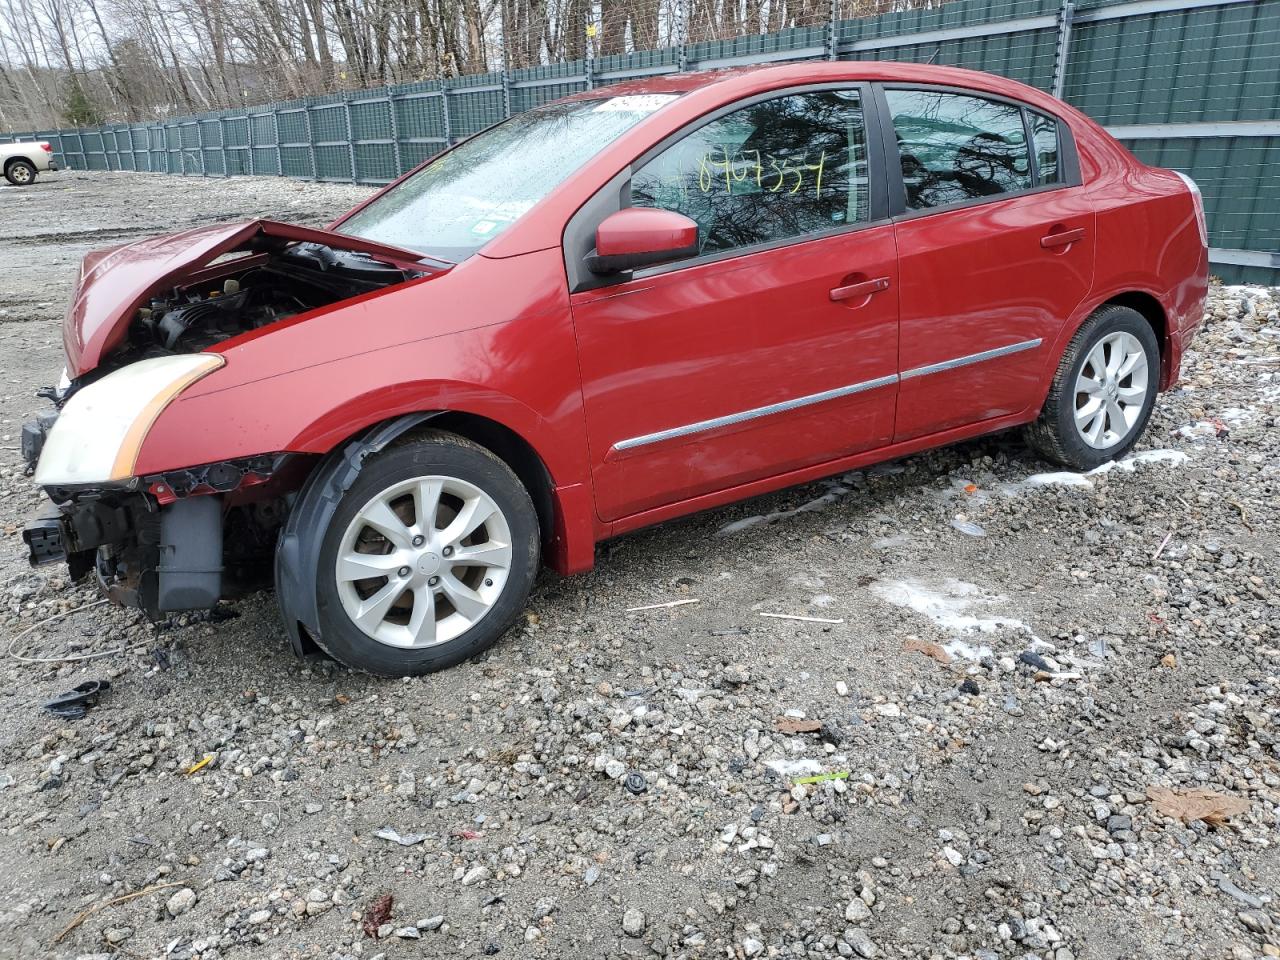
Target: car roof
{"points": [[814, 71]]}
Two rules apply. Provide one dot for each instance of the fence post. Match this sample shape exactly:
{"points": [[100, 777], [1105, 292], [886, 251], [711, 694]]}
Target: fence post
{"points": [[1062, 52], [204, 170], [351, 140], [682, 35], [506, 93], [222, 145], [444, 112], [395, 133], [832, 13], [311, 142], [275, 125], [248, 139]]}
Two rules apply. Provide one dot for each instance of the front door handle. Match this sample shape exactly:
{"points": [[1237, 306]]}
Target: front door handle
{"points": [[1062, 238], [855, 291]]}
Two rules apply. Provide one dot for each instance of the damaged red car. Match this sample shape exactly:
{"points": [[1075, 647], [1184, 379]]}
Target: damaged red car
{"points": [[618, 308]]}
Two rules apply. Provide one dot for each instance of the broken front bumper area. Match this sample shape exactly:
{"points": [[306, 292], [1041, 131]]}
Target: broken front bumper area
{"points": [[159, 559]]}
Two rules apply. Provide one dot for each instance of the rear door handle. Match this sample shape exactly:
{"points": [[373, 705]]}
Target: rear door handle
{"points": [[1063, 238], [855, 291]]}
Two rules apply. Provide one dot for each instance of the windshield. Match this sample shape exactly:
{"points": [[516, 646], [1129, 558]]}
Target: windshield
{"points": [[454, 206]]}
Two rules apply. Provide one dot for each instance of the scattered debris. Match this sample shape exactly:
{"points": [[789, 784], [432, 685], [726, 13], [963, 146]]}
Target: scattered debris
{"points": [[970, 686], [405, 839], [75, 703], [1163, 543], [663, 606], [928, 648], [199, 764], [822, 777], [968, 527], [635, 783], [1196, 803], [793, 616], [1169, 661], [84, 915], [376, 914], [794, 725]]}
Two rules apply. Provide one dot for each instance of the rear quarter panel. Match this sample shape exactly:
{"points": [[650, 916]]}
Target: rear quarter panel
{"points": [[1148, 241]]}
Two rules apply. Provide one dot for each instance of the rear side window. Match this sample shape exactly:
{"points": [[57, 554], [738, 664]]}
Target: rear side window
{"points": [[773, 170], [1044, 134], [956, 148]]}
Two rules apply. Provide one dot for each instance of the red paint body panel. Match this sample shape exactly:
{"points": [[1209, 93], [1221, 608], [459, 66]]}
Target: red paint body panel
{"points": [[644, 230], [736, 335], [601, 381], [977, 279]]}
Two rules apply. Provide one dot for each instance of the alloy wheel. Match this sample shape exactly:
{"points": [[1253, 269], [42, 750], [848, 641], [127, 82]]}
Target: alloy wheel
{"points": [[1111, 390], [423, 561]]}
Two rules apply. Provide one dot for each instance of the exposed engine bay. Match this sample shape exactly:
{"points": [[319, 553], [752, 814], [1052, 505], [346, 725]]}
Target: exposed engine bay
{"points": [[247, 292]]}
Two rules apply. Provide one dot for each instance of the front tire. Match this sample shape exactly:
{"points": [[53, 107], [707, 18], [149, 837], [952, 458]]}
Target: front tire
{"points": [[20, 173], [428, 559], [1102, 393]]}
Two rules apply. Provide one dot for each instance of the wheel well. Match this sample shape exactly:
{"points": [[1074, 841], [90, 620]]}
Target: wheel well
{"points": [[10, 161], [512, 449], [1150, 309]]}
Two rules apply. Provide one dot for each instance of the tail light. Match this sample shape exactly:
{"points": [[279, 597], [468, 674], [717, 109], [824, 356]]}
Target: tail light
{"points": [[1198, 202], [46, 148]]}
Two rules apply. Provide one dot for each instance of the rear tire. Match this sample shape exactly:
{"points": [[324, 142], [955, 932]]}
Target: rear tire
{"points": [[1103, 392], [20, 173], [450, 541]]}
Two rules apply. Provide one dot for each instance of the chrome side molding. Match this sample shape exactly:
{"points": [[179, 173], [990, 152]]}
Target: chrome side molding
{"points": [[702, 426]]}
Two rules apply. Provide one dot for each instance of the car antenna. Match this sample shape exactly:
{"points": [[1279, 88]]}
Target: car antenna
{"points": [[937, 51]]}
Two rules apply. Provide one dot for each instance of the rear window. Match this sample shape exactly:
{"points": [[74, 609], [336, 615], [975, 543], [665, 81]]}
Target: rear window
{"points": [[1044, 135], [955, 148]]}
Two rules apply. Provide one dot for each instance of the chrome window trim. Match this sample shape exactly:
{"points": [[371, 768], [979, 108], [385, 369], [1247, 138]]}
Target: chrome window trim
{"points": [[970, 358], [755, 413]]}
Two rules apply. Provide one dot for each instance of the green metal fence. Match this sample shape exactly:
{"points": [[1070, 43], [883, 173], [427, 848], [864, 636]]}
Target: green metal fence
{"points": [[1188, 84]]}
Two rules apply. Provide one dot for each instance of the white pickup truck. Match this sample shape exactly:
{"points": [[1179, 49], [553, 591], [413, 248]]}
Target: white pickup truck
{"points": [[22, 161]]}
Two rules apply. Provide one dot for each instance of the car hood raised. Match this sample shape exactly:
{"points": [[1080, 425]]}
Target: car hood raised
{"points": [[116, 281]]}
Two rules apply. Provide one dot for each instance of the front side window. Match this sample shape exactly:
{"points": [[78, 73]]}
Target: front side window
{"points": [[774, 170], [956, 148], [1044, 134], [455, 205]]}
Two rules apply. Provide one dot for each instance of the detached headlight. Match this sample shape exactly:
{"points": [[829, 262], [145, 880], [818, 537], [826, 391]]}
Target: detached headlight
{"points": [[100, 430]]}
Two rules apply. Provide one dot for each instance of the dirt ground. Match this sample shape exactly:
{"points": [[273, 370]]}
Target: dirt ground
{"points": [[1015, 658]]}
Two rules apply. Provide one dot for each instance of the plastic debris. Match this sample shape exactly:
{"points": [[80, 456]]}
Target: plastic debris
{"points": [[635, 783], [822, 777], [405, 839], [968, 527], [199, 764], [75, 703]]}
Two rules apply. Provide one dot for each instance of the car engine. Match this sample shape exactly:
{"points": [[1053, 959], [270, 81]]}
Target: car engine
{"points": [[270, 288]]}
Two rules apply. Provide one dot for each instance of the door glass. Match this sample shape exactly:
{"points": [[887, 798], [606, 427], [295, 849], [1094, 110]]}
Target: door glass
{"points": [[956, 148], [1044, 133], [773, 170]]}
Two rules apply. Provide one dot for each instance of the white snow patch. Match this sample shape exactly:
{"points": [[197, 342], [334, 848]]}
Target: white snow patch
{"points": [[946, 604], [1066, 478], [801, 766], [966, 651]]}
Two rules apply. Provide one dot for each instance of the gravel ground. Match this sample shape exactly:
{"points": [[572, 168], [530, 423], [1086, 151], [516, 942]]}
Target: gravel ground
{"points": [[1000, 704]]}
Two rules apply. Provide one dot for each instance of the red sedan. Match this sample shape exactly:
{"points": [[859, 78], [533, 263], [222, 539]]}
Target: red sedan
{"points": [[628, 305]]}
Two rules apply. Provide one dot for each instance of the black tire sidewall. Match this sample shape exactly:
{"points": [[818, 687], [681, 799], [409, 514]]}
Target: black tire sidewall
{"points": [[14, 165], [344, 640], [1113, 320]]}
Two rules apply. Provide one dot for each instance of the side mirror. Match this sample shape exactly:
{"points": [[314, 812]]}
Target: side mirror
{"points": [[640, 237]]}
